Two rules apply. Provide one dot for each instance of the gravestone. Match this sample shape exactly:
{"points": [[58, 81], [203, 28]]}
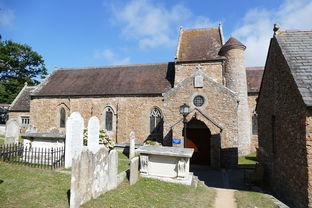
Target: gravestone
{"points": [[112, 169], [90, 176], [134, 170], [12, 131], [93, 134], [132, 145], [74, 138]]}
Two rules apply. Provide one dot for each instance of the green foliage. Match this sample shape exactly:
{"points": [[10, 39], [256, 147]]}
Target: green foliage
{"points": [[104, 139], [18, 64]]}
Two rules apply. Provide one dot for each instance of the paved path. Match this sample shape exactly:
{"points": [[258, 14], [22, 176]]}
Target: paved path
{"points": [[225, 198], [225, 181]]}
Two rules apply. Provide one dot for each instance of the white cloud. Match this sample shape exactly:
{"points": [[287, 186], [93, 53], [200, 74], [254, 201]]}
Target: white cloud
{"points": [[111, 57], [6, 16], [152, 25], [257, 27]]}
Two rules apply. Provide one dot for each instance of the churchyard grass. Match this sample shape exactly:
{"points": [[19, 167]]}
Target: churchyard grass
{"points": [[246, 199], [153, 193], [123, 162], [2, 139], [250, 159], [22, 186]]}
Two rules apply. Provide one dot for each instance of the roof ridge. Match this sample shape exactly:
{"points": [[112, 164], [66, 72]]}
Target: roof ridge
{"points": [[203, 28], [114, 66]]}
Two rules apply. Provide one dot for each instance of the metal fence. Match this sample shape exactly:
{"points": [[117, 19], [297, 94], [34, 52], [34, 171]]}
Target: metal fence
{"points": [[33, 156]]}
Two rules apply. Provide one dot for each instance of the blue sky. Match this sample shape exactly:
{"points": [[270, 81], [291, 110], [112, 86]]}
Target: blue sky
{"points": [[81, 33]]}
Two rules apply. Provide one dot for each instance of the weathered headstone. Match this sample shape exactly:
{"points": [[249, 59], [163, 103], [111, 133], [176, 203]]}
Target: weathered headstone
{"points": [[134, 170], [100, 172], [12, 130], [132, 145], [74, 138], [90, 176], [112, 169], [93, 134]]}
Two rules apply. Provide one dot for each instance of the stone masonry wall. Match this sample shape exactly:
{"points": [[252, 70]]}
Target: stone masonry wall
{"points": [[17, 116], [132, 113], [235, 79], [309, 153], [252, 102], [220, 106], [185, 70], [282, 144]]}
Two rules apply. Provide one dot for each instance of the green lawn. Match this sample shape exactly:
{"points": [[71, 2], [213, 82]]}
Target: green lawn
{"points": [[22, 186], [153, 193], [1, 141], [123, 162], [249, 199], [250, 159]]}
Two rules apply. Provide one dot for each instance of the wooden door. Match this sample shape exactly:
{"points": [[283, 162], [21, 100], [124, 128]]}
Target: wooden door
{"points": [[199, 140]]}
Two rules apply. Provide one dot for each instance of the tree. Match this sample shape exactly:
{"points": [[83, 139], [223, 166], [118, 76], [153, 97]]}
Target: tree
{"points": [[18, 64]]}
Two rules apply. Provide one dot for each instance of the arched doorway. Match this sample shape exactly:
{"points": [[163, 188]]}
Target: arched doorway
{"points": [[198, 137]]}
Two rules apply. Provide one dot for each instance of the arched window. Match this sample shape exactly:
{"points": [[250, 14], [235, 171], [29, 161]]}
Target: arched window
{"points": [[62, 118], [156, 123], [109, 119]]}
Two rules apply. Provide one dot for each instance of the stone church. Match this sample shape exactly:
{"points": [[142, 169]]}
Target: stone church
{"points": [[207, 74]]}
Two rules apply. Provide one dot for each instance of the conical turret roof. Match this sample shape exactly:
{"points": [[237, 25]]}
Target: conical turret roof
{"points": [[231, 44]]}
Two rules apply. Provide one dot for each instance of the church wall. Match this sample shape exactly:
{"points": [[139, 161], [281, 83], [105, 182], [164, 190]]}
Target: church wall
{"points": [[252, 102], [221, 106], [17, 116], [185, 70], [132, 113]]}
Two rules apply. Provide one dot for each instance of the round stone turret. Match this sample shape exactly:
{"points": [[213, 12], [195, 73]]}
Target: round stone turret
{"points": [[235, 79]]}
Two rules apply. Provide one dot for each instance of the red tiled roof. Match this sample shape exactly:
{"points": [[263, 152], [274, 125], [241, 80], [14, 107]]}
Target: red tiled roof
{"points": [[254, 77], [199, 44], [111, 80]]}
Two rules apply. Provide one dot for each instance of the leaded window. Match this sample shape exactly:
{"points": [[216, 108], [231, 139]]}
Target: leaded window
{"points": [[199, 101], [109, 120], [156, 122], [62, 118], [25, 120]]}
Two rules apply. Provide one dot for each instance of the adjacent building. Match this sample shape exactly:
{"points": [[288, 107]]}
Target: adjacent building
{"points": [[285, 117]]}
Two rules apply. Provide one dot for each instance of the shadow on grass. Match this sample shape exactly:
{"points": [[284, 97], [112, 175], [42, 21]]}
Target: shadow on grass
{"points": [[247, 166], [253, 158], [1, 181], [68, 197]]}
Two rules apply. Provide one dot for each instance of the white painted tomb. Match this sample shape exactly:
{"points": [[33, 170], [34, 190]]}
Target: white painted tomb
{"points": [[170, 164]]}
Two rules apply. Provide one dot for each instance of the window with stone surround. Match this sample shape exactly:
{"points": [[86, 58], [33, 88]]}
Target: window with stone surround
{"points": [[156, 122], [62, 118], [109, 119], [25, 120], [273, 129], [254, 124], [199, 101]]}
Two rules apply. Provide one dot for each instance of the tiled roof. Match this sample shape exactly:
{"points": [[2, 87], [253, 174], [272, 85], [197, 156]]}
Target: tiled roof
{"points": [[22, 101], [112, 80], [231, 43], [199, 44], [296, 47], [254, 77]]}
